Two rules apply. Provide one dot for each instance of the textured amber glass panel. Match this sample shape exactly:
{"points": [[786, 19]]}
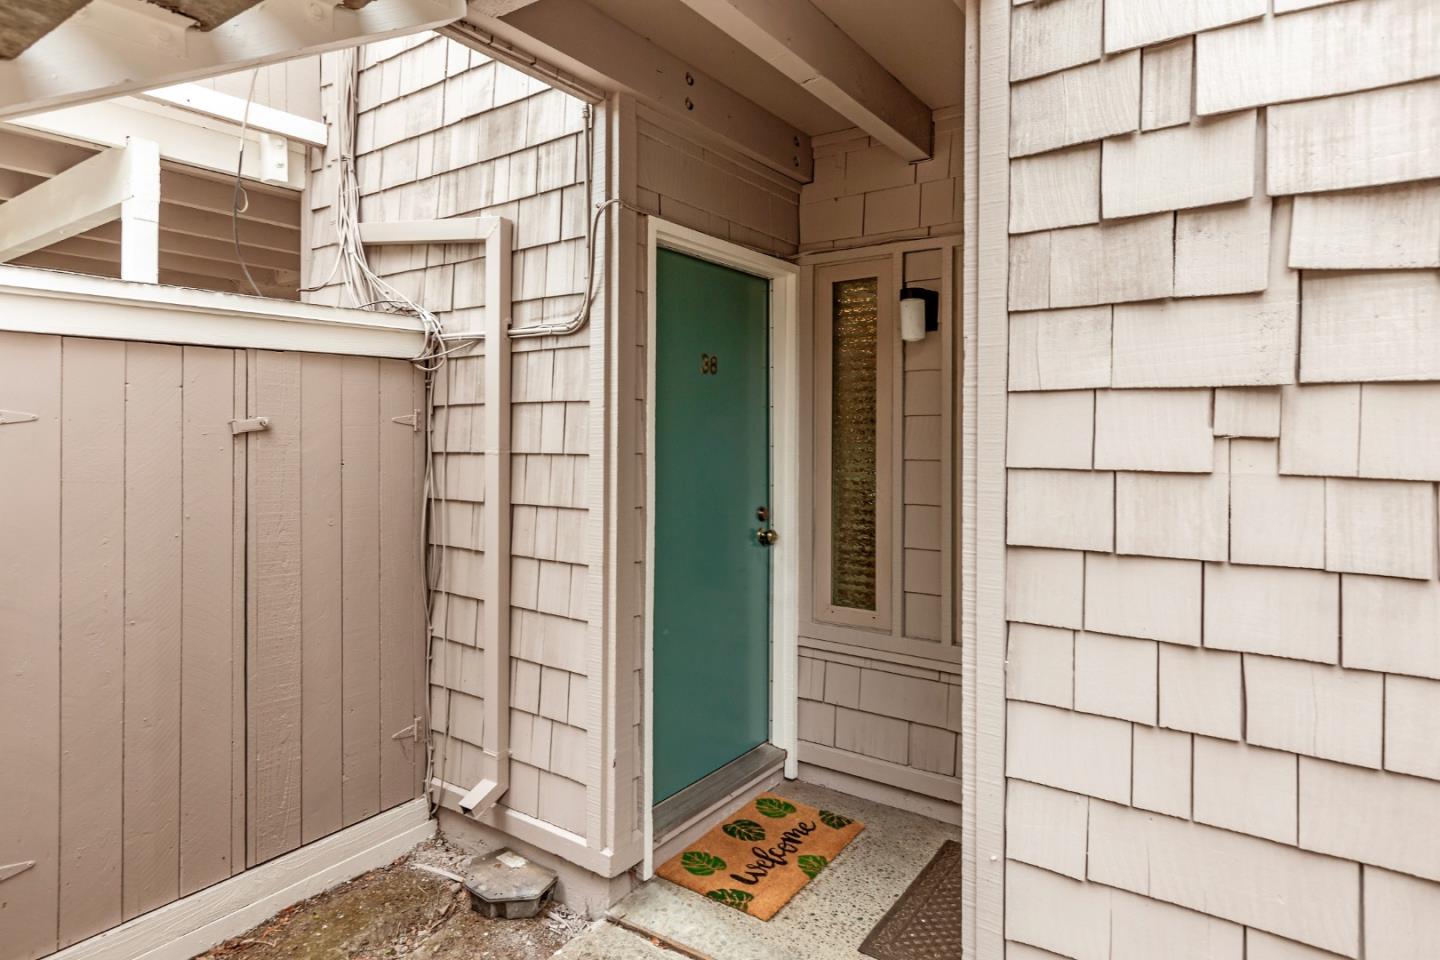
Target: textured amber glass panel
{"points": [[855, 312]]}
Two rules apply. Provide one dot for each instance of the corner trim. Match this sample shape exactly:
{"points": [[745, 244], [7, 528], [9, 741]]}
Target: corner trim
{"points": [[985, 305]]}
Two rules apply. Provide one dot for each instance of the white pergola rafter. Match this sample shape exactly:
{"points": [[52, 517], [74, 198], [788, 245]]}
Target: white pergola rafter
{"points": [[183, 137], [113, 47], [120, 183]]}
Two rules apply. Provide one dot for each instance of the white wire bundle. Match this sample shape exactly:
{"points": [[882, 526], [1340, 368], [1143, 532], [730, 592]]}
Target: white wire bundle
{"points": [[368, 290]]}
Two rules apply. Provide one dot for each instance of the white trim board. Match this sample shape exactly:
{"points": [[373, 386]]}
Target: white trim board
{"points": [[184, 137], [200, 99], [119, 183], [986, 212], [784, 486], [541, 833], [179, 930], [112, 47], [494, 233], [74, 305]]}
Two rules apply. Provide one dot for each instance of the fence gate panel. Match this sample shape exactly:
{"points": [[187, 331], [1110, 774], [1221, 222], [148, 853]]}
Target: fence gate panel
{"points": [[336, 622], [213, 638], [123, 680]]}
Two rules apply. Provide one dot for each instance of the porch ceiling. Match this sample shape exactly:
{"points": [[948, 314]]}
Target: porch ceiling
{"points": [[682, 31], [814, 66], [921, 48]]}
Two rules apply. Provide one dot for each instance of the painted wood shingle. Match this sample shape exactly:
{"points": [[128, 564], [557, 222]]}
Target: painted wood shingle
{"points": [[1068, 509], [1045, 37], [1314, 709], [1186, 516], [1337, 48], [1053, 429], [1159, 430], [1384, 228], [1395, 834], [1078, 105], [1135, 23], [1360, 140], [1060, 349], [1273, 610], [1196, 165], [1201, 691], [1166, 84], [1243, 340], [1274, 520], [1112, 262], [1056, 189], [1226, 875], [1371, 326]]}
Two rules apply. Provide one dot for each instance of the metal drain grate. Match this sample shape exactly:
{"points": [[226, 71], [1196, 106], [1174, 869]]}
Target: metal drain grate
{"points": [[924, 924]]}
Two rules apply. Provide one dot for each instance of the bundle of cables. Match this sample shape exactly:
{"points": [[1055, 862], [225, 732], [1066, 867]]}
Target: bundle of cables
{"points": [[366, 289]]}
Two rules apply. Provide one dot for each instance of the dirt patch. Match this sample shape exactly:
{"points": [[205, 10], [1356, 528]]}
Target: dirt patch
{"points": [[400, 911]]}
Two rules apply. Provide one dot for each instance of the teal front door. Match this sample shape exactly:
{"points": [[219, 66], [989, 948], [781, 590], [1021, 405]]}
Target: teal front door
{"points": [[712, 489]]}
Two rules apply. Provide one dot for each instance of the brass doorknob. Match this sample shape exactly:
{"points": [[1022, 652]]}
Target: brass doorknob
{"points": [[767, 537]]}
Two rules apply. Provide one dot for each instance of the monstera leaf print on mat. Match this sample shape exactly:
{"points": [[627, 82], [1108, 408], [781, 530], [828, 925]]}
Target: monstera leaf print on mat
{"points": [[761, 855]]}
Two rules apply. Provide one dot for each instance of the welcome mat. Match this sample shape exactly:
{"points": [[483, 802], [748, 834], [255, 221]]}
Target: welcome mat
{"points": [[924, 924], [762, 854]]}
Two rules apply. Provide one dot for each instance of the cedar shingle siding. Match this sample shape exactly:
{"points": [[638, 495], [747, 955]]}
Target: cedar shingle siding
{"points": [[1222, 711]]}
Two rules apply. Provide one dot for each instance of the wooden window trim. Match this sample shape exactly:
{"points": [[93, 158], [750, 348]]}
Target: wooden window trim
{"points": [[889, 432]]}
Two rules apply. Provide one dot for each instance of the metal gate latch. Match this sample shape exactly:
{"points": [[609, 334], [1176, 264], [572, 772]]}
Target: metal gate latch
{"points": [[415, 731], [15, 416], [249, 426]]}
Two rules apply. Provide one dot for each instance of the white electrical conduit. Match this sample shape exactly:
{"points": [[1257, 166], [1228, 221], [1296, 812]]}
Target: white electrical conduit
{"points": [[368, 290]]}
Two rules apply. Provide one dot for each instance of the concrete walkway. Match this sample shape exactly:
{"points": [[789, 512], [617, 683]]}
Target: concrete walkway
{"points": [[827, 920]]}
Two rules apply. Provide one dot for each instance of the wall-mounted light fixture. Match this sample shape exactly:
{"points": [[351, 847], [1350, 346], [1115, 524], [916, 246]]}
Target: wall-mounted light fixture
{"points": [[919, 313]]}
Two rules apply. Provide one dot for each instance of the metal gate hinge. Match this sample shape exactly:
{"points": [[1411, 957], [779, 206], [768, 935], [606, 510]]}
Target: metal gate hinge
{"points": [[15, 416], [249, 426], [415, 731], [411, 420]]}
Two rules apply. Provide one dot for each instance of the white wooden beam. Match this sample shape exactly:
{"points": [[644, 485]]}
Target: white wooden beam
{"points": [[183, 137], [578, 38], [73, 305], [498, 8], [121, 183], [222, 106], [451, 230], [809, 48], [112, 47]]}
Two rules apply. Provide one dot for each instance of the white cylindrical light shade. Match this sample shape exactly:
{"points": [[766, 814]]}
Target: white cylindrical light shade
{"points": [[912, 319]]}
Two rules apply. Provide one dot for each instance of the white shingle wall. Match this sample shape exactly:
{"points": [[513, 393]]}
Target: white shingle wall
{"points": [[1233, 667], [443, 131], [864, 194]]}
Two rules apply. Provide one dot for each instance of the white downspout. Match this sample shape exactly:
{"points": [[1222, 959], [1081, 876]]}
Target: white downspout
{"points": [[496, 618]]}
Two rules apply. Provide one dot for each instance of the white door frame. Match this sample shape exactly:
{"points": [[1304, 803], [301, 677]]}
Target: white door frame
{"points": [[784, 489]]}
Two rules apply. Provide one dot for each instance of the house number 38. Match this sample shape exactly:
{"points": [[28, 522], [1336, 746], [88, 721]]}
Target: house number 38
{"points": [[709, 363]]}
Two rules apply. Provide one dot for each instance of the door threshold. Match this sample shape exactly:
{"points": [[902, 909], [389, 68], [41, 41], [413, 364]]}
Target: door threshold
{"points": [[676, 811]]}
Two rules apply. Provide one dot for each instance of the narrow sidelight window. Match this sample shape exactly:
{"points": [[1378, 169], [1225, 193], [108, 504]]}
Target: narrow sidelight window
{"points": [[856, 434], [853, 430]]}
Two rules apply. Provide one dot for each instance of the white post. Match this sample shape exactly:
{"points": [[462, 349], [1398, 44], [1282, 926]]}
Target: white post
{"points": [[140, 213], [120, 183]]}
